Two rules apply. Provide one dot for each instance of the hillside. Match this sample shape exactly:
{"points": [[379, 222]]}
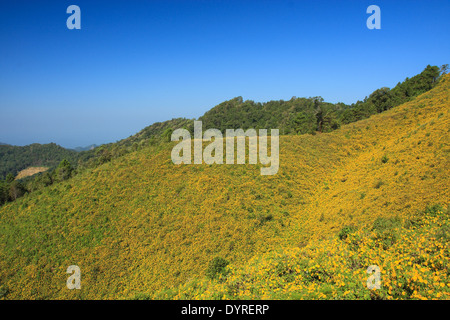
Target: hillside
{"points": [[14, 158], [139, 224], [385, 203], [295, 116]]}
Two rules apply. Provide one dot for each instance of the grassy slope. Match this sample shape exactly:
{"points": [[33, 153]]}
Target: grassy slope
{"points": [[412, 256], [385, 171], [140, 224]]}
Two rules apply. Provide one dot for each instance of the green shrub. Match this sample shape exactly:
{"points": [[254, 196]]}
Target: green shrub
{"points": [[217, 268], [379, 184], [141, 296], [345, 231], [4, 290], [387, 230], [383, 224], [434, 210], [443, 233], [263, 218]]}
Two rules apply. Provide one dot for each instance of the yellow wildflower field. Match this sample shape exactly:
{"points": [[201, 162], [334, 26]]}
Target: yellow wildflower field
{"points": [[375, 192]]}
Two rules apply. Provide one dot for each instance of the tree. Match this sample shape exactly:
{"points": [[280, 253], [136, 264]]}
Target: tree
{"points": [[42, 180], [381, 99], [4, 192], [64, 170], [16, 190], [105, 155], [427, 79], [167, 134], [9, 178], [319, 118], [303, 123], [444, 69], [330, 122], [319, 113]]}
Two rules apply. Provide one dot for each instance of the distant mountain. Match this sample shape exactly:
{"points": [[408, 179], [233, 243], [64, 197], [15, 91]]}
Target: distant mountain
{"points": [[13, 159], [4, 144], [90, 147]]}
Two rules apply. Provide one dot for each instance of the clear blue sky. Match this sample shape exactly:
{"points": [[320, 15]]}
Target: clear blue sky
{"points": [[137, 62]]}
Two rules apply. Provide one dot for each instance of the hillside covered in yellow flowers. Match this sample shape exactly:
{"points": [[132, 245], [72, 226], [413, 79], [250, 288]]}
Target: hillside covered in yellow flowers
{"points": [[374, 192]]}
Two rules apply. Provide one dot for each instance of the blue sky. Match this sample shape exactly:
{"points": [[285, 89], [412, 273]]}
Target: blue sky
{"points": [[134, 63]]}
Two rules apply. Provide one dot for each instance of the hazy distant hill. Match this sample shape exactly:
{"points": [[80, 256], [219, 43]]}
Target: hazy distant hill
{"points": [[140, 226], [90, 147], [4, 144], [14, 158]]}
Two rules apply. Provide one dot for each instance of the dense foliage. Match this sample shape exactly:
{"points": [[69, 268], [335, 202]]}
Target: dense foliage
{"points": [[11, 188], [310, 115], [14, 159], [384, 98]]}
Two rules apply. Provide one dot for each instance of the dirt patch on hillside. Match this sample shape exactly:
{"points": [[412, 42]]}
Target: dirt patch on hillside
{"points": [[30, 171]]}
